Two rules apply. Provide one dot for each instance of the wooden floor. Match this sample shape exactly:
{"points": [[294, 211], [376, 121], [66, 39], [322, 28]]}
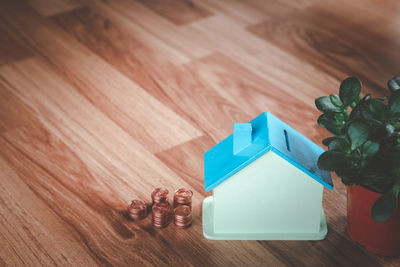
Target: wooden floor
{"points": [[102, 101]]}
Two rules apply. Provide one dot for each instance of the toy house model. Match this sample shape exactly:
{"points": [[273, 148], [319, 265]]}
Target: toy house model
{"points": [[266, 184]]}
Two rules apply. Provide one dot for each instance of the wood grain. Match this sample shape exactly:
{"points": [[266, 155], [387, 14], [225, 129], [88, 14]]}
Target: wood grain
{"points": [[187, 43], [178, 11], [102, 101], [11, 49], [50, 8], [78, 62], [301, 35]]}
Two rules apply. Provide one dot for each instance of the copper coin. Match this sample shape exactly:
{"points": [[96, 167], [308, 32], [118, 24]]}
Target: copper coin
{"points": [[139, 213], [160, 222], [137, 217], [183, 194], [159, 195], [161, 208], [161, 215], [137, 205], [182, 211], [183, 225], [142, 213], [176, 204], [183, 216], [160, 225], [137, 209], [183, 222], [160, 219], [188, 220], [183, 219]]}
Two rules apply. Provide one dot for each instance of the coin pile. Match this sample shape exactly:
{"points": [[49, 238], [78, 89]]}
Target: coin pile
{"points": [[160, 195], [183, 216], [161, 214], [183, 196], [137, 209], [161, 210]]}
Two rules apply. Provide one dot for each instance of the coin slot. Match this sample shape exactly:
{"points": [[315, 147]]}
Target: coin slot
{"points": [[287, 140]]}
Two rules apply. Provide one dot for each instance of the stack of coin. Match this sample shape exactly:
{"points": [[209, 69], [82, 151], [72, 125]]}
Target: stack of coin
{"points": [[160, 195], [161, 214], [183, 216], [183, 196], [137, 209]]}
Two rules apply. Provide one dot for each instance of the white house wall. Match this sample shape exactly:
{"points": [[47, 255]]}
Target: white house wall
{"points": [[270, 195]]}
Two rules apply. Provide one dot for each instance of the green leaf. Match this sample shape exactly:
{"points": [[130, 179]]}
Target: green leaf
{"points": [[366, 98], [339, 117], [389, 129], [394, 102], [358, 133], [329, 122], [386, 205], [394, 84], [349, 90], [356, 111], [339, 144], [324, 104], [332, 161], [326, 141], [335, 99], [323, 120], [378, 109], [370, 148]]}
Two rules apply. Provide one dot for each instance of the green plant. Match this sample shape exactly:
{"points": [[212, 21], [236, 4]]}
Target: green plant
{"points": [[365, 146]]}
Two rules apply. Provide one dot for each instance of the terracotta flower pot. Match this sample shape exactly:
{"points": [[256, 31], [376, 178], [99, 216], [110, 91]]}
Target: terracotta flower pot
{"points": [[378, 237]]}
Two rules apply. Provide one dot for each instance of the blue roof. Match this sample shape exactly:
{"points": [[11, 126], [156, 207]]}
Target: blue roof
{"points": [[267, 133]]}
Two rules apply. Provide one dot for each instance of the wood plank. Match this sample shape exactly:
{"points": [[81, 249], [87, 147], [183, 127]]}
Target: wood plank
{"points": [[102, 101], [201, 102], [246, 46], [321, 47], [188, 155], [157, 26], [13, 112], [239, 11], [50, 8], [11, 49], [86, 222], [137, 112], [282, 69], [254, 94], [280, 8], [110, 30], [81, 125], [114, 44], [179, 12], [87, 173], [229, 31], [95, 178], [134, 58], [165, 83], [29, 226]]}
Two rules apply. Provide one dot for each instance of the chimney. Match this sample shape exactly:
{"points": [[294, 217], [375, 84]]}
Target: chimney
{"points": [[241, 136]]}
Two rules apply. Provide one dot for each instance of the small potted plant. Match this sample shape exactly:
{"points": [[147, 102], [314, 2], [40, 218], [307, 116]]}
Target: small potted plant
{"points": [[364, 152]]}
